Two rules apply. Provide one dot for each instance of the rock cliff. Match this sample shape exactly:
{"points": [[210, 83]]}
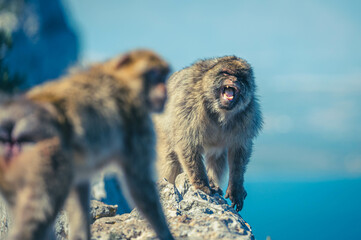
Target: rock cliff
{"points": [[191, 214], [4, 219]]}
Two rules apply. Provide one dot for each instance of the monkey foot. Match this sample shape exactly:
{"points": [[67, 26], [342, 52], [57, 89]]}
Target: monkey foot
{"points": [[203, 188], [236, 197], [216, 189]]}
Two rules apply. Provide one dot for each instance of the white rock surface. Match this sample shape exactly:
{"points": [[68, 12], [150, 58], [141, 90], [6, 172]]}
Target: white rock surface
{"points": [[191, 214], [4, 219]]}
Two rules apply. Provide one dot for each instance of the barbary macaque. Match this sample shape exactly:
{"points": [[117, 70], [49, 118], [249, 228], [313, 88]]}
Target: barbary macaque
{"points": [[212, 114], [57, 134]]}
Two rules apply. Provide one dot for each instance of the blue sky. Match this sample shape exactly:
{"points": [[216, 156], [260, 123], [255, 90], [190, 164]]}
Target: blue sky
{"points": [[306, 57]]}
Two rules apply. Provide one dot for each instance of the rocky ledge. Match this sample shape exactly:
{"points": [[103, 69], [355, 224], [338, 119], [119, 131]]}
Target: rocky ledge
{"points": [[191, 214]]}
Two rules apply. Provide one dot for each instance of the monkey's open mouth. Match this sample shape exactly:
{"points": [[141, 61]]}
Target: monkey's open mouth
{"points": [[228, 92]]}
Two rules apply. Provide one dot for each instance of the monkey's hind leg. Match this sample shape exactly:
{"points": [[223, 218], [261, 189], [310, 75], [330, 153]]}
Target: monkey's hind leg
{"points": [[142, 189], [77, 208], [43, 177], [169, 166]]}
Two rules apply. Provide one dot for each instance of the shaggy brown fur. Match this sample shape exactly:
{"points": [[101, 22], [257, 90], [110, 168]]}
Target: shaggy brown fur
{"points": [[55, 136], [212, 113]]}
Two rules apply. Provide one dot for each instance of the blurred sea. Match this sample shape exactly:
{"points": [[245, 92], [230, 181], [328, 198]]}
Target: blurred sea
{"points": [[304, 210]]}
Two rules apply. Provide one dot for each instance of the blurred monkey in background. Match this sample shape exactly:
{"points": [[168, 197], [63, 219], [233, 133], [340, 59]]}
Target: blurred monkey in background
{"points": [[55, 136]]}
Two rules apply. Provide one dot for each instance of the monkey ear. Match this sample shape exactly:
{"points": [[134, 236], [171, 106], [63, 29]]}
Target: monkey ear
{"points": [[123, 60]]}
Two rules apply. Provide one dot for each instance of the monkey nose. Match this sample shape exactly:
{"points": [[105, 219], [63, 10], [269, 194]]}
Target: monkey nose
{"points": [[16, 148], [12, 149], [8, 152]]}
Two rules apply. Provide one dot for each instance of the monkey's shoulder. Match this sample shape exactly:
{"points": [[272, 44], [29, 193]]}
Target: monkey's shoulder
{"points": [[250, 120]]}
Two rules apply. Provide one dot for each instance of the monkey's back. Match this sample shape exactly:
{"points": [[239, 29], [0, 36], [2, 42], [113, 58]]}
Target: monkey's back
{"points": [[92, 104]]}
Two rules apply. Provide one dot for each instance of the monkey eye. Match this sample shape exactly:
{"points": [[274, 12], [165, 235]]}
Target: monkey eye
{"points": [[154, 76], [4, 137], [225, 73], [228, 73], [25, 139]]}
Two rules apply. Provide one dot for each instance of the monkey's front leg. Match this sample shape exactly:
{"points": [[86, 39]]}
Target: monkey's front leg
{"points": [[192, 162], [33, 216], [138, 179], [77, 208], [237, 160], [42, 178]]}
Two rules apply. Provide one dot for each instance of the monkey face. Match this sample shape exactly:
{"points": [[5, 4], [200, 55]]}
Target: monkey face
{"points": [[157, 91], [234, 85], [22, 124], [229, 92], [152, 72], [154, 75]]}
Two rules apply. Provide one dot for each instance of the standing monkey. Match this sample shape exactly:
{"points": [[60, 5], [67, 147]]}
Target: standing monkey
{"points": [[57, 134], [212, 112]]}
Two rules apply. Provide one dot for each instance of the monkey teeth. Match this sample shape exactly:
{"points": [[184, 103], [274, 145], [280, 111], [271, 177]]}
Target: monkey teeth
{"points": [[228, 93], [228, 97]]}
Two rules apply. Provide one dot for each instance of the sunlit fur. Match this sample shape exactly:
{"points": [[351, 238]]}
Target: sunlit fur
{"points": [[195, 125]]}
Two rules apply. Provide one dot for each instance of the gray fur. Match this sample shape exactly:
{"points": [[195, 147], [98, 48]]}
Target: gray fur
{"points": [[195, 124]]}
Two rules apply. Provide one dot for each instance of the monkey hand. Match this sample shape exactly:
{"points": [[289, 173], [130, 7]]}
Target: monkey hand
{"points": [[236, 195]]}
